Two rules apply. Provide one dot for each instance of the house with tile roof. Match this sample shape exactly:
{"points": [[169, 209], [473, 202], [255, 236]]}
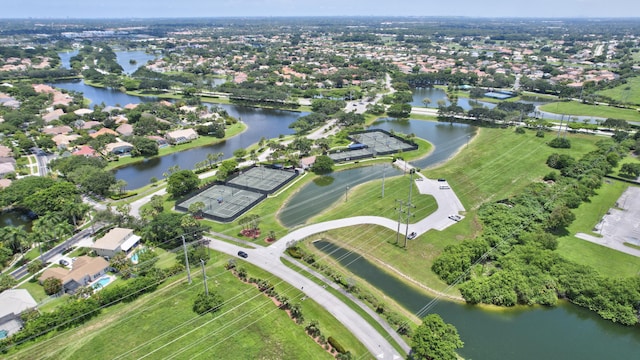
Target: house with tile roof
{"points": [[84, 270]]}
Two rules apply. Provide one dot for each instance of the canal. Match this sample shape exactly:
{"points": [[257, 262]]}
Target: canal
{"points": [[562, 332]]}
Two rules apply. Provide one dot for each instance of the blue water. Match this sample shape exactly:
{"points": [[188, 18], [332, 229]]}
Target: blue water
{"points": [[102, 282], [134, 258]]}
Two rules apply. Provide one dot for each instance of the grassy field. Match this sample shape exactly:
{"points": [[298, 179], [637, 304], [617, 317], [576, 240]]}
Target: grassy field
{"points": [[576, 108], [628, 93], [162, 325], [231, 131], [370, 193], [607, 261], [497, 164]]}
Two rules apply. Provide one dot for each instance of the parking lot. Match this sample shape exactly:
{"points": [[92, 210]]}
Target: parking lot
{"points": [[620, 225]]}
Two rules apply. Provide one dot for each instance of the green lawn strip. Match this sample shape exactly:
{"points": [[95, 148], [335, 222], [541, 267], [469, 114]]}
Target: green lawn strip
{"points": [[607, 261], [370, 193], [603, 111], [633, 246], [347, 301], [231, 131], [628, 93]]}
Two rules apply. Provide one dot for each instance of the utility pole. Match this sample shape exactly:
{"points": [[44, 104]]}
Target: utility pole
{"points": [[399, 208], [384, 171], [406, 235], [204, 278], [186, 259]]}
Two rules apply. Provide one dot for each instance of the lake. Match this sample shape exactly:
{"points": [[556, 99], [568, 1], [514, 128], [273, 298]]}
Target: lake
{"points": [[313, 198], [562, 332]]}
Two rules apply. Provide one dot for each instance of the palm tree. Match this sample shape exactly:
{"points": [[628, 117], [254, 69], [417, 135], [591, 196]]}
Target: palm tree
{"points": [[426, 101], [15, 238]]}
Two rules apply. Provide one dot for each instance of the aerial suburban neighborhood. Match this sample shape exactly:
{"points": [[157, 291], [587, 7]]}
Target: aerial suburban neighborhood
{"points": [[319, 187]]}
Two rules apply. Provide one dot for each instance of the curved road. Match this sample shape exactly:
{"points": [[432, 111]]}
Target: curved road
{"points": [[268, 258]]}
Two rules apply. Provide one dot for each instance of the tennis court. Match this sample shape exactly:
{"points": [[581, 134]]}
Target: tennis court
{"points": [[377, 141], [262, 179], [382, 142], [223, 203]]}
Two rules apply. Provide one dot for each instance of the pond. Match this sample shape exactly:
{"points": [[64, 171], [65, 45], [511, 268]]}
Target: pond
{"points": [[562, 332], [15, 218], [437, 94], [314, 198], [266, 123]]}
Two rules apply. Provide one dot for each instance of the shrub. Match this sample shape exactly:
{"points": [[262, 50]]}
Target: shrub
{"points": [[560, 143], [540, 133], [520, 130], [336, 345], [207, 303]]}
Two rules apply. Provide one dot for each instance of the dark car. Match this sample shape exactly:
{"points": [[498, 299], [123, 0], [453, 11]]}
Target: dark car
{"points": [[243, 254]]}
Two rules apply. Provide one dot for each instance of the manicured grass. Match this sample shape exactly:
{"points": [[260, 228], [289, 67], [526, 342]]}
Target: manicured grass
{"points": [[370, 194], [162, 324], [607, 261], [628, 93], [576, 108], [36, 290], [231, 131]]}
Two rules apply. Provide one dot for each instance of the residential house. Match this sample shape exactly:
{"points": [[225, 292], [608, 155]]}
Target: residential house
{"points": [[115, 241], [103, 131], [7, 168], [125, 129], [53, 115], [118, 148], [56, 130], [63, 141], [12, 303], [162, 142], [307, 162], [181, 136], [84, 270], [5, 183], [85, 150]]}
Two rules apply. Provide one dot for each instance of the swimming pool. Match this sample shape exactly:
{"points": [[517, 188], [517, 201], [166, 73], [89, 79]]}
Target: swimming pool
{"points": [[134, 258], [3, 334], [102, 282]]}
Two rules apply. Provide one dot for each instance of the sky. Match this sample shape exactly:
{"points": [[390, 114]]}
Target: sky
{"points": [[260, 8]]}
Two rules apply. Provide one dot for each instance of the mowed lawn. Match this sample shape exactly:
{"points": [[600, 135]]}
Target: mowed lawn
{"points": [[162, 325], [367, 199], [625, 93], [579, 109]]}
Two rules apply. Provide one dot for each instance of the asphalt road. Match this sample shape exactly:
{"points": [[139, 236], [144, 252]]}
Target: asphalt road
{"points": [[58, 249], [268, 258]]}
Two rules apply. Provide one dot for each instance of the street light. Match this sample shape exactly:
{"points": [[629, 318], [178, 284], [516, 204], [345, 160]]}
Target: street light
{"points": [[346, 194]]}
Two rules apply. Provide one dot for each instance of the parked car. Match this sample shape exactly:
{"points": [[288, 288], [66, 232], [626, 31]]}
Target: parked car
{"points": [[412, 236], [243, 254], [63, 262]]}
